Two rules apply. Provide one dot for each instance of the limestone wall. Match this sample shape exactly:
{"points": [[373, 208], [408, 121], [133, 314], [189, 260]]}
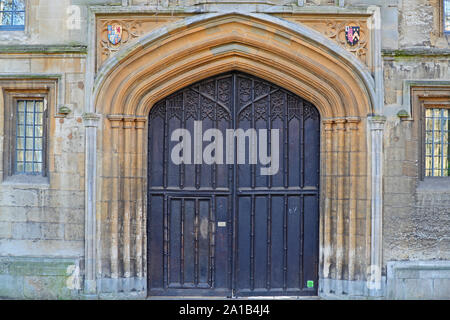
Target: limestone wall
{"points": [[416, 211], [44, 220], [51, 22]]}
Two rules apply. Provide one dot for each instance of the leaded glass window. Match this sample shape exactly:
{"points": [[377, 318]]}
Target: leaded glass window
{"points": [[447, 16], [12, 14], [437, 146], [29, 137]]}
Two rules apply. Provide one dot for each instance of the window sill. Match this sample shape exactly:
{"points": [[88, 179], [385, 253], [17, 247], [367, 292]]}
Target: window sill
{"points": [[434, 184], [12, 28], [27, 181], [11, 37]]}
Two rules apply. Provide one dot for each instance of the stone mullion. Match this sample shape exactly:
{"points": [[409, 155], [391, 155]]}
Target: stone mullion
{"points": [[353, 124], [340, 128], [115, 206], [328, 198], [106, 212], [140, 207], [334, 197], [129, 131]]}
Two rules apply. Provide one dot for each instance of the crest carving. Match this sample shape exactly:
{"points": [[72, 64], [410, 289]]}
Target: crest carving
{"points": [[111, 43], [352, 34], [115, 33], [338, 31]]}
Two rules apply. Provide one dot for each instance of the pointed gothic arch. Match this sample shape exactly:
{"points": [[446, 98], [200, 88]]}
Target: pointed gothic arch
{"points": [[284, 53]]}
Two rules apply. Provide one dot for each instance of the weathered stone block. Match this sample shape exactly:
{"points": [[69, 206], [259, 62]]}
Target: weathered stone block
{"points": [[398, 199], [418, 280], [54, 215], [13, 214], [52, 231], [65, 181], [42, 65], [67, 163], [39, 278], [390, 27], [5, 230], [41, 248], [410, 169], [393, 168], [29, 230], [43, 215], [399, 185], [394, 154], [34, 266], [50, 288], [11, 286], [15, 65], [65, 199], [442, 289], [414, 289], [74, 232], [19, 197], [75, 216], [411, 151]]}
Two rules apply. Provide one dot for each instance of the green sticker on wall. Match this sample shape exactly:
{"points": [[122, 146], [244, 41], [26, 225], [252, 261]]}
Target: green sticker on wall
{"points": [[310, 284]]}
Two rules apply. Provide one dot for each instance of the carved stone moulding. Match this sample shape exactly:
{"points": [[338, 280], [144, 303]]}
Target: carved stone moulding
{"points": [[134, 26]]}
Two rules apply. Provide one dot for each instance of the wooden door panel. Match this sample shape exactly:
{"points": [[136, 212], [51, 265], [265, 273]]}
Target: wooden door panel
{"points": [[226, 229]]}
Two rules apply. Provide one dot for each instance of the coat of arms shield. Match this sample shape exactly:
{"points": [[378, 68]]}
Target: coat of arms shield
{"points": [[115, 33], [352, 34]]}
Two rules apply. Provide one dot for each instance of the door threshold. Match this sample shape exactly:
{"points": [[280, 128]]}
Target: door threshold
{"points": [[283, 298], [237, 299]]}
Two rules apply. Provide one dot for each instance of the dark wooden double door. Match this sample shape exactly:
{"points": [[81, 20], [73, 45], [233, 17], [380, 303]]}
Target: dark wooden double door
{"points": [[225, 229]]}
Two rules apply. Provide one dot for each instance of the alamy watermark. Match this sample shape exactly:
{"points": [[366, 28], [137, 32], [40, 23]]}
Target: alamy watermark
{"points": [[73, 21], [230, 149]]}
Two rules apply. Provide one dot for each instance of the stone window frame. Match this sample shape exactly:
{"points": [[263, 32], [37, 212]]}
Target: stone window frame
{"points": [[13, 132], [439, 37], [14, 90], [437, 103], [423, 97], [442, 30], [18, 27]]}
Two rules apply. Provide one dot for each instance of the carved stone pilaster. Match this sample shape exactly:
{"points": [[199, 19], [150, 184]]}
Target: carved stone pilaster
{"points": [[327, 226], [340, 243], [353, 149], [124, 206], [91, 123], [376, 258], [343, 177]]}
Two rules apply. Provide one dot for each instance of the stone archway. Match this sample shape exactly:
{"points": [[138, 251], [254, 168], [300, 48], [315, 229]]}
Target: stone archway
{"points": [[291, 56]]}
